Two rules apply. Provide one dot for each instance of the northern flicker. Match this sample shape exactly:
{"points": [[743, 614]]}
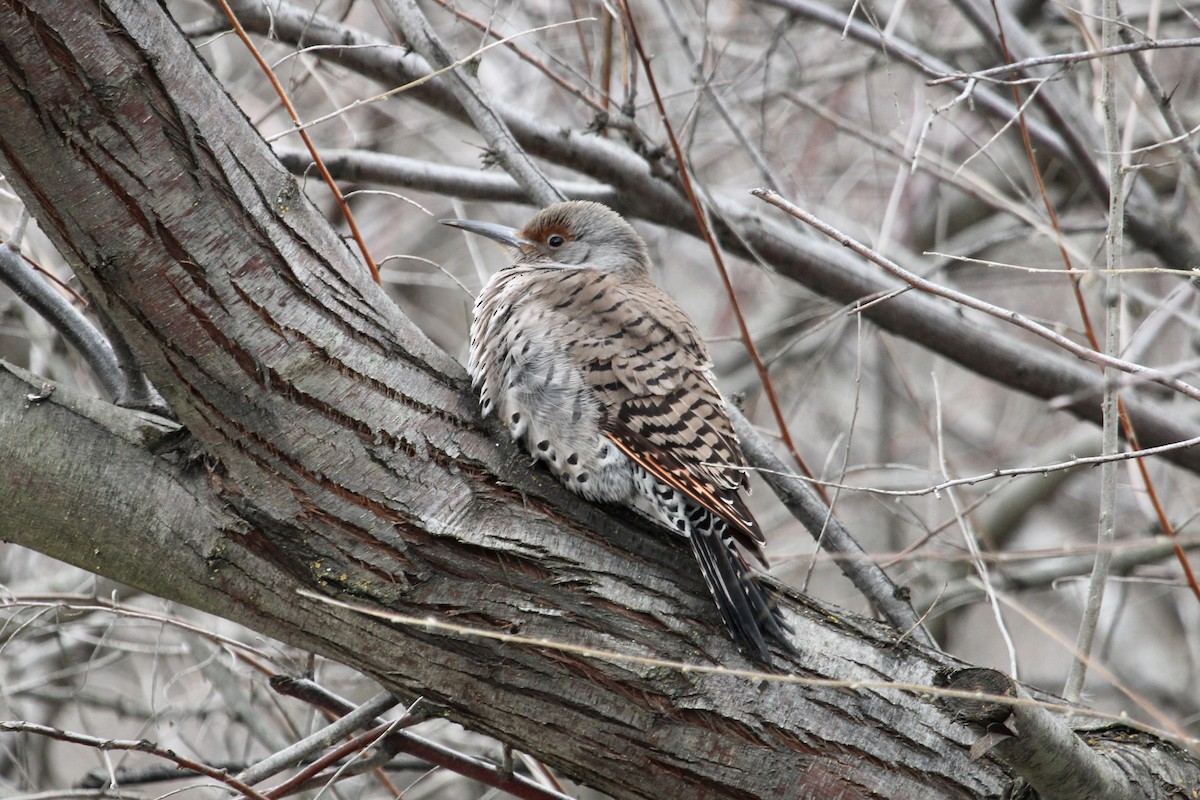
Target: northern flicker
{"points": [[603, 377]]}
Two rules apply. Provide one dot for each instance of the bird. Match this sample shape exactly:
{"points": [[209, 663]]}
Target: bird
{"points": [[604, 378]]}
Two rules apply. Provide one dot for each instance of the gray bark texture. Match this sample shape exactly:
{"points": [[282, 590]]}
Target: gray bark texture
{"points": [[332, 448]]}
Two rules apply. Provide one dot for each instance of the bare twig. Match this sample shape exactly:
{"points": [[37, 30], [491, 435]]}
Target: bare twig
{"points": [[308, 142], [440, 755], [298, 752], [1012, 317], [866, 575], [138, 745], [1162, 98], [971, 538], [714, 247], [411, 173], [1113, 257], [468, 91], [999, 74], [66, 319]]}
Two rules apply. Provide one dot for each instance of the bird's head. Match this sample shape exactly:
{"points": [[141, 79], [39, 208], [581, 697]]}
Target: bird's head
{"points": [[572, 234]]}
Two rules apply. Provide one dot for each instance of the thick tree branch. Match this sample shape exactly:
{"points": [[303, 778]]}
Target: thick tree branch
{"points": [[342, 453]]}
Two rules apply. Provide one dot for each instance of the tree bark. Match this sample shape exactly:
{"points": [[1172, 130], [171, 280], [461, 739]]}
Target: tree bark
{"points": [[341, 452]]}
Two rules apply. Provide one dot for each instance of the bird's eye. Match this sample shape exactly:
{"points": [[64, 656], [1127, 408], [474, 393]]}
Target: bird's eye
{"points": [[556, 241]]}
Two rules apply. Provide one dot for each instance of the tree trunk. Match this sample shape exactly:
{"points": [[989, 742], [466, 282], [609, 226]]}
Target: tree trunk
{"points": [[343, 454]]}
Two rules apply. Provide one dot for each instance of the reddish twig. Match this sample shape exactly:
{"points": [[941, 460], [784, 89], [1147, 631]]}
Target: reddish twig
{"points": [[311, 772], [308, 142], [1089, 330], [137, 745], [558, 80], [61, 284], [709, 237], [439, 755]]}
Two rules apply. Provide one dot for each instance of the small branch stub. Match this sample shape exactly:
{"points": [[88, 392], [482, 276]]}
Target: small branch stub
{"points": [[1035, 743]]}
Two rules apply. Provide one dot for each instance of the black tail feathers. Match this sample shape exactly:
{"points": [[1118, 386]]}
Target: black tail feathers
{"points": [[746, 607]]}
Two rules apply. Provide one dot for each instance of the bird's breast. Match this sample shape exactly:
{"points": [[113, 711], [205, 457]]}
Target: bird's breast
{"points": [[524, 363]]}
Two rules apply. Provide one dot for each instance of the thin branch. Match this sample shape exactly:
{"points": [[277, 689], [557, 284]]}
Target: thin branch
{"points": [[1011, 472], [698, 78], [550, 74], [349, 753], [1069, 59], [297, 752], [347, 214], [17, 273], [812, 512], [970, 538], [1110, 443], [1163, 99], [1013, 317], [710, 238], [409, 86], [407, 742], [137, 745], [470, 94], [412, 173], [1052, 567]]}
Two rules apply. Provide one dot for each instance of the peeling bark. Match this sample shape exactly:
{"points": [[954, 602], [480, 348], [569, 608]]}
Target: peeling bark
{"points": [[343, 453]]}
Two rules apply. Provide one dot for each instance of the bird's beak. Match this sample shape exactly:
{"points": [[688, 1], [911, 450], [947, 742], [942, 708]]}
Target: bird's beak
{"points": [[500, 233]]}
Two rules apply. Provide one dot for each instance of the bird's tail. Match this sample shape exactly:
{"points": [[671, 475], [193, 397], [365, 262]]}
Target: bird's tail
{"points": [[748, 611]]}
